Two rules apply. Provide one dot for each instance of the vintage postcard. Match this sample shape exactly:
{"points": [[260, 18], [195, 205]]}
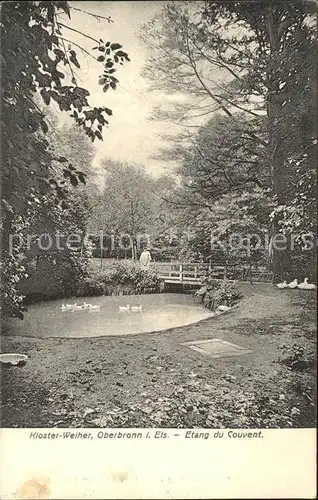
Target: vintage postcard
{"points": [[158, 249]]}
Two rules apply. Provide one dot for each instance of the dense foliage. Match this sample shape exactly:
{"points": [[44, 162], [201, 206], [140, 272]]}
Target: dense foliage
{"points": [[122, 277], [256, 63], [131, 212], [217, 293], [38, 61]]}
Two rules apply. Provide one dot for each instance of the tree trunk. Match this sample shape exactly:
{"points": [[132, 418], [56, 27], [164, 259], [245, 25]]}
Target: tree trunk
{"points": [[280, 258], [134, 249]]}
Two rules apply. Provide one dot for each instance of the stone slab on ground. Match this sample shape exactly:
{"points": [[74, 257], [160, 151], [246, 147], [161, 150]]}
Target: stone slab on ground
{"points": [[217, 348]]}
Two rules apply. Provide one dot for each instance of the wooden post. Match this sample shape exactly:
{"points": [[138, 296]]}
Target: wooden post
{"points": [[250, 272], [273, 278], [195, 271], [180, 271]]}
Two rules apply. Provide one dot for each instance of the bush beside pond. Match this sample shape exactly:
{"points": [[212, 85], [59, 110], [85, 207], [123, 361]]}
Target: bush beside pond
{"points": [[216, 293], [53, 277], [125, 277]]}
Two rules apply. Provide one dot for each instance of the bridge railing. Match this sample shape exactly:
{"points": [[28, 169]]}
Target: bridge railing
{"points": [[182, 272], [196, 272]]}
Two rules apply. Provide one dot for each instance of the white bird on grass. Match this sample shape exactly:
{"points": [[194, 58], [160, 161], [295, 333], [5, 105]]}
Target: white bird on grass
{"points": [[307, 286], [282, 285], [293, 284], [223, 308]]}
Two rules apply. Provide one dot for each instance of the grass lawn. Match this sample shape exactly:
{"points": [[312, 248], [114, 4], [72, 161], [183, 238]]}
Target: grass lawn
{"points": [[151, 380]]}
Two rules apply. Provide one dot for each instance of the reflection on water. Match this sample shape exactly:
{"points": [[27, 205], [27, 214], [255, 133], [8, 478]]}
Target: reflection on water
{"points": [[159, 312]]}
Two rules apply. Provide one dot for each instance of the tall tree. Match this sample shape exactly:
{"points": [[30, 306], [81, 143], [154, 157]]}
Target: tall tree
{"points": [[133, 210], [126, 205], [224, 185], [256, 57], [37, 59], [59, 268]]}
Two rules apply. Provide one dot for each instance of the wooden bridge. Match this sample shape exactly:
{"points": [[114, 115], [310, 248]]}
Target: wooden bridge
{"points": [[195, 273]]}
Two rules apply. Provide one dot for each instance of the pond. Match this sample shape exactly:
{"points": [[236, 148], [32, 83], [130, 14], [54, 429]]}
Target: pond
{"points": [[159, 312]]}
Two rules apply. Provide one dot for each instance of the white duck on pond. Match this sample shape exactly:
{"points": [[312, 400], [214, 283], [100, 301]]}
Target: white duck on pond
{"points": [[77, 308], [124, 308], [136, 308], [68, 307]]}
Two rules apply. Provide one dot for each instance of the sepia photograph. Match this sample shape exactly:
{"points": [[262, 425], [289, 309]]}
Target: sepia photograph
{"points": [[158, 217]]}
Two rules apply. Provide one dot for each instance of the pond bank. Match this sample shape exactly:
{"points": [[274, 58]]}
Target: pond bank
{"points": [[152, 312], [153, 381]]}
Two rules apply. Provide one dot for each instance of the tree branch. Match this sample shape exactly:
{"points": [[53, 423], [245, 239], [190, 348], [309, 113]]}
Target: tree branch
{"points": [[77, 31], [97, 16], [216, 98], [220, 63], [77, 45], [238, 106]]}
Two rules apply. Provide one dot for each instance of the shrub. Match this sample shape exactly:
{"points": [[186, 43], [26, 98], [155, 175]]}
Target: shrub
{"points": [[52, 277], [93, 287], [213, 285], [220, 293], [299, 356], [300, 359], [123, 276]]}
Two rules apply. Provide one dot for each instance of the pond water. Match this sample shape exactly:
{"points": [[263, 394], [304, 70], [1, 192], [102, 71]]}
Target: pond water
{"points": [[159, 312]]}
